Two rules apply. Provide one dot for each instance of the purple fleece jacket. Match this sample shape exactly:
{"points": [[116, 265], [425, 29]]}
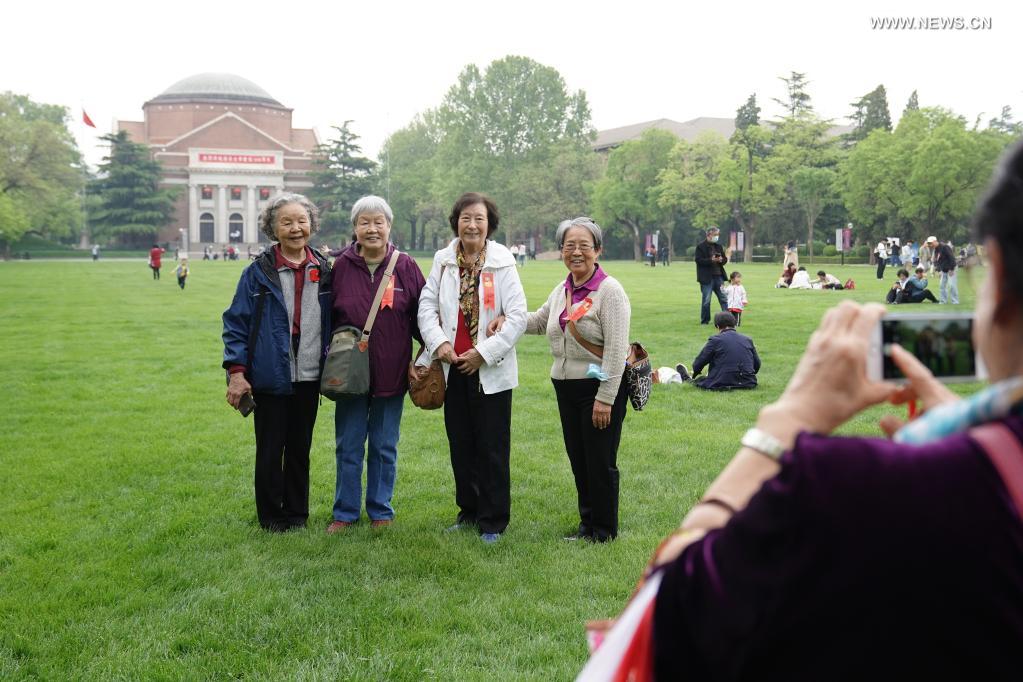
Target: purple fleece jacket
{"points": [[390, 344]]}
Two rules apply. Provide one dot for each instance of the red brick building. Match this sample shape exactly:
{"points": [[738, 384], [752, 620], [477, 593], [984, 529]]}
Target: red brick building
{"points": [[230, 146]]}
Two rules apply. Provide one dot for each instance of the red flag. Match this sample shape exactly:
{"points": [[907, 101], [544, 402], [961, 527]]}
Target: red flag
{"points": [[86, 120]]}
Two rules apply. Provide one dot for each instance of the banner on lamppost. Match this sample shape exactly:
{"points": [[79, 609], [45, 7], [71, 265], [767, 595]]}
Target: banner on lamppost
{"points": [[740, 240], [847, 237], [840, 239]]}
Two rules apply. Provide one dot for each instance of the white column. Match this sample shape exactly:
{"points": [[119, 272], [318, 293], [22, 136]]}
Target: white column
{"points": [[251, 232], [221, 231], [193, 214]]}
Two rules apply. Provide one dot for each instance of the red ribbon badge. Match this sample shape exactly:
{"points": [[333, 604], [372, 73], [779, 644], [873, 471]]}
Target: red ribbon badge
{"points": [[314, 275], [488, 290], [388, 300], [583, 308]]}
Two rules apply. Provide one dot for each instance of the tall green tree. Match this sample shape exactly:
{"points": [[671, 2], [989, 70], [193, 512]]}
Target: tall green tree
{"points": [[813, 191], [41, 170], [407, 170], [627, 195], [869, 113], [502, 129], [797, 99], [131, 207], [923, 178], [1005, 123], [343, 175], [913, 104]]}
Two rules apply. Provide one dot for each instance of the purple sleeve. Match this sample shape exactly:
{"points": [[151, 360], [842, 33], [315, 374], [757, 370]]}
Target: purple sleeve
{"points": [[846, 521]]}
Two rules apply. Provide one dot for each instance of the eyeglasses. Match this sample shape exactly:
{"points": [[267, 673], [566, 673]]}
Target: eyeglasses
{"points": [[571, 248]]}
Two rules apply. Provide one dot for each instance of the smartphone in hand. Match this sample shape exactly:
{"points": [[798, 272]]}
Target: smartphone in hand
{"points": [[943, 342], [246, 405]]}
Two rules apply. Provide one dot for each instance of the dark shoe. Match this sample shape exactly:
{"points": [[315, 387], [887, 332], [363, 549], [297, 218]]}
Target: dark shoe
{"points": [[380, 523], [338, 526], [490, 538], [683, 372]]}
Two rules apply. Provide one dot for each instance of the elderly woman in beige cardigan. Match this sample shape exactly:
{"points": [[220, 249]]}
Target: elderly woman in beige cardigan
{"points": [[586, 321]]}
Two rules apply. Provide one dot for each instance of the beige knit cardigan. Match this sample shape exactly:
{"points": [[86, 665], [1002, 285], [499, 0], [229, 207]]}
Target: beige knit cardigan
{"points": [[605, 324]]}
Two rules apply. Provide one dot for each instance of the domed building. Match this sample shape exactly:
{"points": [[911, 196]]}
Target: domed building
{"points": [[230, 145]]}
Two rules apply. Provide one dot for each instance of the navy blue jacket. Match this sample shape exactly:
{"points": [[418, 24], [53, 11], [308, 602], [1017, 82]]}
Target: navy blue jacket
{"points": [[733, 361], [270, 368]]}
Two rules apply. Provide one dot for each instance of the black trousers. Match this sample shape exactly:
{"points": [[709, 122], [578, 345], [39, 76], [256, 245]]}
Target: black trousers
{"points": [[593, 454], [881, 262], [479, 435], [284, 434]]}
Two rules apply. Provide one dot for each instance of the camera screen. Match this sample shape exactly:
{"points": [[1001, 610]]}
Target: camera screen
{"points": [[945, 346]]}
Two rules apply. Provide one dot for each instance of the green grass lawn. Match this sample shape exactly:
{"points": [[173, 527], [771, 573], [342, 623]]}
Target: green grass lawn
{"points": [[129, 547]]}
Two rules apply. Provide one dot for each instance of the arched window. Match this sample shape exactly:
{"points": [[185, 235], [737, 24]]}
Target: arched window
{"points": [[235, 228], [206, 227]]}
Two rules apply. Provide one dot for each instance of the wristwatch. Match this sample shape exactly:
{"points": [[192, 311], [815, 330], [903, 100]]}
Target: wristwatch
{"points": [[764, 443]]}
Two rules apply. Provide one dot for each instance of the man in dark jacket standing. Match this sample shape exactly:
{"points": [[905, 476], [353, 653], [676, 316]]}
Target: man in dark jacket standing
{"points": [[732, 357], [710, 272]]}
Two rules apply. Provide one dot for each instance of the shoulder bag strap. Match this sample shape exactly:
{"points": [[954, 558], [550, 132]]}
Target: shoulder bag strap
{"points": [[388, 273], [1006, 453], [591, 347]]}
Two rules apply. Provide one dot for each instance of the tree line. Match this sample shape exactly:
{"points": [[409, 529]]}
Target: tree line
{"points": [[516, 132]]}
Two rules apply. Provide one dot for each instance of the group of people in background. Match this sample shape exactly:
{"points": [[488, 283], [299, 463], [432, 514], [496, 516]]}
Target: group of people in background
{"points": [[469, 314]]}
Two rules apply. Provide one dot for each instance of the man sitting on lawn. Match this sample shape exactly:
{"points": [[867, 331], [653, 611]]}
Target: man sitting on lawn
{"points": [[732, 357]]}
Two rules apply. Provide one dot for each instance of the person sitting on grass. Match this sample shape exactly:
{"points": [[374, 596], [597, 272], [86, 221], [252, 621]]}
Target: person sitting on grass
{"points": [[916, 290], [828, 281], [732, 358], [898, 289], [786, 276], [801, 280]]}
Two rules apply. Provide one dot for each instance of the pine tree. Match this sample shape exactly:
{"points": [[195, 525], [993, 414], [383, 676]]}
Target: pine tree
{"points": [[130, 205], [913, 104], [345, 175], [798, 102], [869, 113], [748, 114]]}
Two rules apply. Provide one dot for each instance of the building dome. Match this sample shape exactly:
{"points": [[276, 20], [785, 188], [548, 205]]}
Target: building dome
{"points": [[216, 87]]}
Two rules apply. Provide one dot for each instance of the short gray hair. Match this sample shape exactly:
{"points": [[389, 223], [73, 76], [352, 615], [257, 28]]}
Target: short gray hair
{"points": [[268, 218], [581, 221], [372, 204]]}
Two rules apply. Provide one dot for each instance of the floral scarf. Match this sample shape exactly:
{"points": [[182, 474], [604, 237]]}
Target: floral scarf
{"points": [[994, 402], [468, 298]]}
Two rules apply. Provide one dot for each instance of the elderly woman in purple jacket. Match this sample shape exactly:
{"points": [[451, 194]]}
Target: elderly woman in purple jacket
{"points": [[377, 416]]}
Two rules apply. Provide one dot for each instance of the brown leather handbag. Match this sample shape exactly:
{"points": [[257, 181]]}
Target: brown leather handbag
{"points": [[427, 388]]}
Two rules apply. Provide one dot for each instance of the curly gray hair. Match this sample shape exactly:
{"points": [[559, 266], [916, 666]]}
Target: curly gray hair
{"points": [[581, 221], [268, 218]]}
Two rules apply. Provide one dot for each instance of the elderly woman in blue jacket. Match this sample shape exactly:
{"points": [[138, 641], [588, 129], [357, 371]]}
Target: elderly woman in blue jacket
{"points": [[275, 334]]}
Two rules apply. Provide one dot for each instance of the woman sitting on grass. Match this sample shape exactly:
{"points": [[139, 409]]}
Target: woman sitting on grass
{"points": [[814, 556]]}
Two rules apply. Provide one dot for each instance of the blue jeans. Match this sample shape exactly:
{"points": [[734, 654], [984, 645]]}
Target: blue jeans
{"points": [[714, 285], [949, 288], [354, 420]]}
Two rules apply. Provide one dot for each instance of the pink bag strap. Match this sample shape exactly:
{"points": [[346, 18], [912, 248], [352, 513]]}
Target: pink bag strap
{"points": [[1006, 453]]}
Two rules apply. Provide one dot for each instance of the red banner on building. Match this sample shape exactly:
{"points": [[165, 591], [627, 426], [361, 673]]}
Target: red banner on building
{"points": [[205, 157]]}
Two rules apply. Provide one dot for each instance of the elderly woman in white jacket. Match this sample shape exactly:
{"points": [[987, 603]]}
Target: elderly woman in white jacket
{"points": [[474, 281]]}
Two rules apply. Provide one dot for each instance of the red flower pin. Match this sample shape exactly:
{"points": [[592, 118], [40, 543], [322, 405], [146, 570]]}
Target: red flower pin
{"points": [[314, 275]]}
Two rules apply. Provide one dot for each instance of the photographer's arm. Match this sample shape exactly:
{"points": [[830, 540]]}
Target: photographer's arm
{"points": [[835, 362]]}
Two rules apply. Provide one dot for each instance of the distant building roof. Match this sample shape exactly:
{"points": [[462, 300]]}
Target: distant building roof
{"points": [[216, 87], [687, 130]]}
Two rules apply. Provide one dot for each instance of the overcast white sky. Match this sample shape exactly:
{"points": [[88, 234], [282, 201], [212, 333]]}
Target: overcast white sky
{"points": [[379, 63]]}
